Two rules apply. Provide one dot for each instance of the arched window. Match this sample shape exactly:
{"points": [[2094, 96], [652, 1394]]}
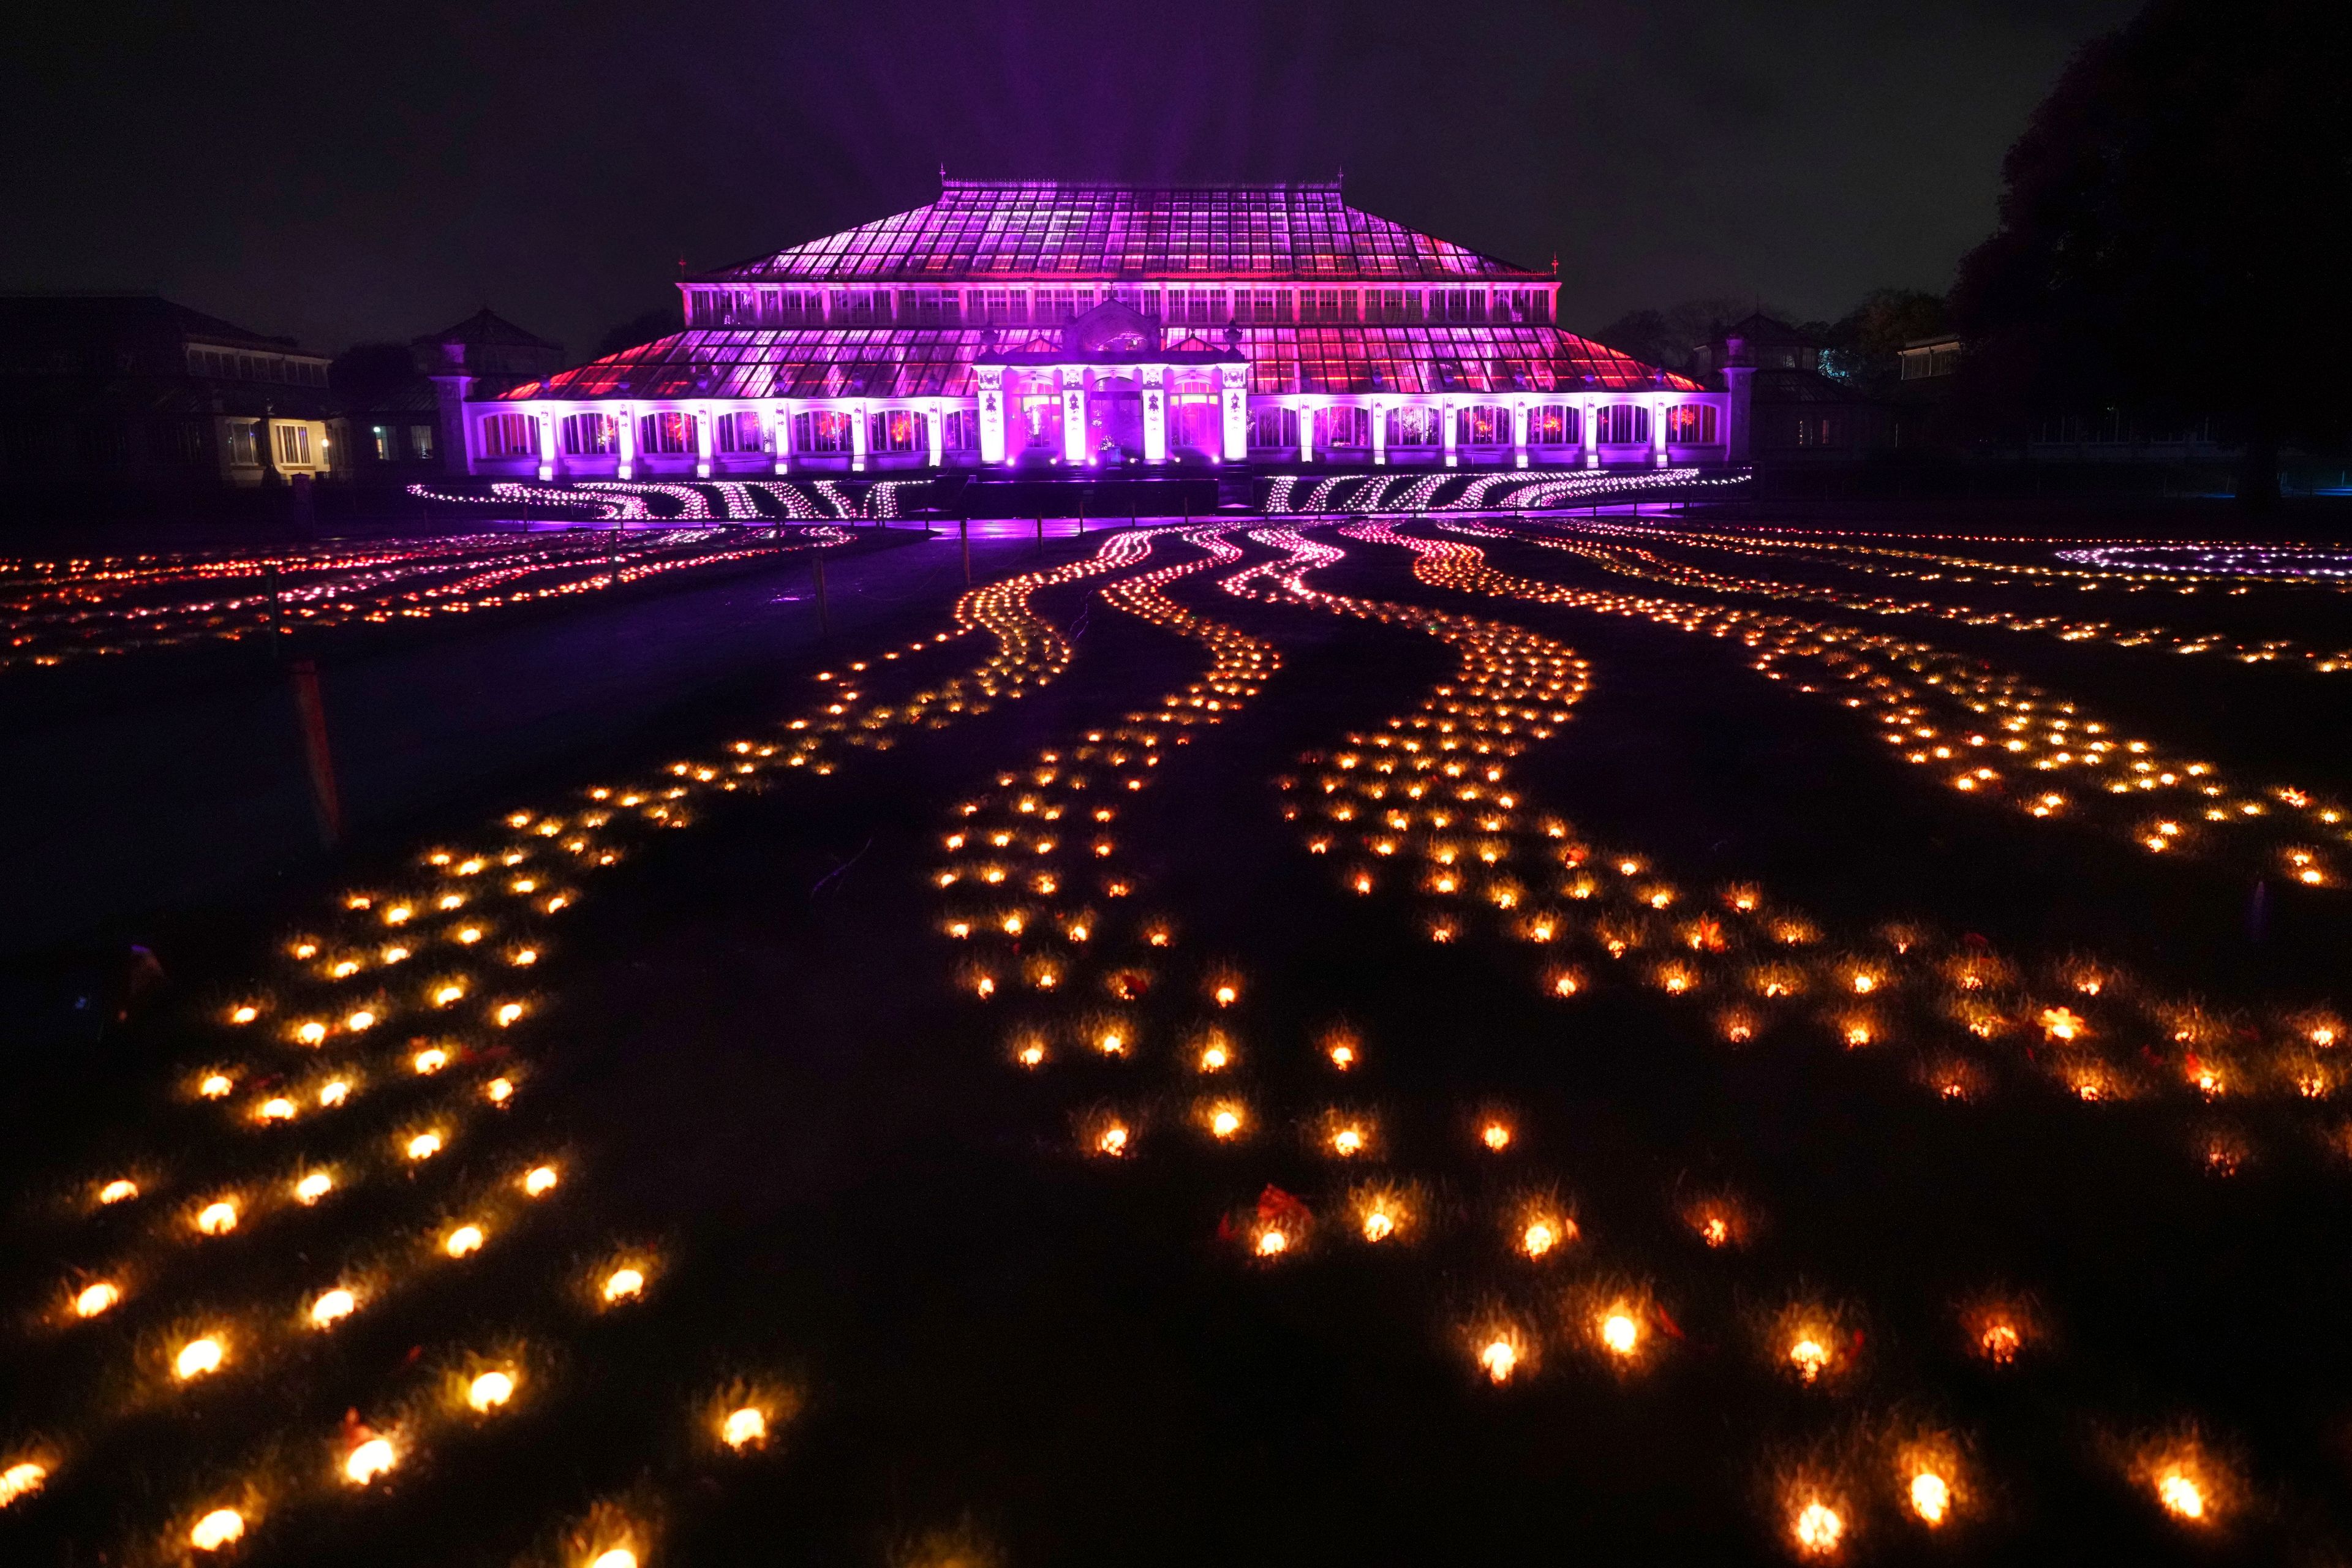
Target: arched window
{"points": [[1691, 423], [962, 432], [1488, 424], [590, 436], [509, 436], [1342, 428], [1273, 427], [670, 433], [1413, 426], [896, 430], [1554, 425], [1194, 421], [821, 431], [742, 430], [1624, 424]]}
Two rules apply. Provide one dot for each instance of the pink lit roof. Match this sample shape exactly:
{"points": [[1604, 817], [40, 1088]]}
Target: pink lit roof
{"points": [[1008, 230], [926, 361]]}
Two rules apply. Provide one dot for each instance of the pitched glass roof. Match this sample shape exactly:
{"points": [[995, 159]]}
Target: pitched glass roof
{"points": [[923, 361], [1055, 228]]}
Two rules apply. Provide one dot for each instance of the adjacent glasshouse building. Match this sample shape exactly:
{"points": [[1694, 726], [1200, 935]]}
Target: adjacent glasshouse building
{"points": [[1049, 325]]}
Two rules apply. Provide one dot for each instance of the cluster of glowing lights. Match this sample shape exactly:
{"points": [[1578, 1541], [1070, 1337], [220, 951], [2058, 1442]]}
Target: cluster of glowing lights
{"points": [[52, 612], [1624, 556]]}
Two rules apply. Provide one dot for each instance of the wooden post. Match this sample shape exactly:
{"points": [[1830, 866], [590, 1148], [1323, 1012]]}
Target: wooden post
{"points": [[311, 712], [824, 621], [963, 526]]}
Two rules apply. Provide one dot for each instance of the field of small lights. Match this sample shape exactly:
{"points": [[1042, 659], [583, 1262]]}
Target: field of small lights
{"points": [[1406, 1035]]}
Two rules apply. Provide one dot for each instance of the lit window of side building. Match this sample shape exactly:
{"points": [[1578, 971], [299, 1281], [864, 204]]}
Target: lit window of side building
{"points": [[1061, 325]]}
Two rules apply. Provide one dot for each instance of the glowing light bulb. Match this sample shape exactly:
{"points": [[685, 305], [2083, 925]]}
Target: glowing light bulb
{"points": [[119, 1190], [1348, 1141], [198, 1357], [1538, 1238], [93, 1300], [1809, 1356], [1272, 1242], [616, 1557], [1227, 995], [465, 1239], [489, 1391], [244, 1013], [222, 1527], [1500, 1358], [1225, 1121], [1111, 1141], [744, 1429], [276, 1108], [1495, 1136], [424, 1146], [218, 1219], [368, 1460], [539, 1181], [359, 1020], [332, 1307], [2181, 1495], [215, 1086], [1378, 1224], [623, 1285], [1931, 1497], [1819, 1529], [498, 1090], [1619, 1335], [507, 1015], [313, 1186], [21, 1480], [333, 1092]]}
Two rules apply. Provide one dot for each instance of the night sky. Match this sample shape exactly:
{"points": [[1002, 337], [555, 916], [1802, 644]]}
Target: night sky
{"points": [[346, 173]]}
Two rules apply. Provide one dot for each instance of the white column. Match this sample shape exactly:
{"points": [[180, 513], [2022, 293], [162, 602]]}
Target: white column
{"points": [[1236, 412], [546, 443], [1658, 430], [1306, 433], [991, 414], [935, 426], [857, 437], [627, 414], [1379, 435], [1074, 417], [702, 415], [779, 434], [1448, 433], [1155, 413], [1519, 433], [1592, 421]]}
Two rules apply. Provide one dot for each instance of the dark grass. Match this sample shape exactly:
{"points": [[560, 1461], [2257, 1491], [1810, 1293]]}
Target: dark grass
{"points": [[757, 1062]]}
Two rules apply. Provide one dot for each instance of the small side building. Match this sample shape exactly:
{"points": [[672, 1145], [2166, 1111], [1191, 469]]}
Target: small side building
{"points": [[134, 391], [1793, 412]]}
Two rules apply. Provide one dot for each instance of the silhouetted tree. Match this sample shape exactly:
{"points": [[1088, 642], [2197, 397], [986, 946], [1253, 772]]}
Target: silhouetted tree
{"points": [[1669, 337], [2171, 238], [1863, 346], [643, 329], [1641, 334]]}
